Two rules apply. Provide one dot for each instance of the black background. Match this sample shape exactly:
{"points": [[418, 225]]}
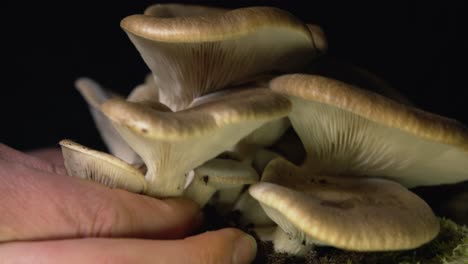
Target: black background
{"points": [[46, 46]]}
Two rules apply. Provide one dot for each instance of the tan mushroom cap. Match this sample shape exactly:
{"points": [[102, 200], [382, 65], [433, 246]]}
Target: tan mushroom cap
{"points": [[350, 131], [94, 94], [173, 143], [194, 55], [362, 214], [86, 163]]}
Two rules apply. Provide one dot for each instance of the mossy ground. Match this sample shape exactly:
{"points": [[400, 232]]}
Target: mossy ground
{"points": [[449, 247]]}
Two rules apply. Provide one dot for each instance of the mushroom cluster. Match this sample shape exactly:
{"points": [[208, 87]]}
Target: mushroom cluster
{"points": [[243, 110]]}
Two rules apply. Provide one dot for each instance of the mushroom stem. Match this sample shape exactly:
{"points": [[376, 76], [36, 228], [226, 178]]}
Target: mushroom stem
{"points": [[251, 212], [227, 198], [266, 233], [283, 242], [199, 190]]}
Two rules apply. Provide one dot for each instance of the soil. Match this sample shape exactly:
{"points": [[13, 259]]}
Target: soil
{"points": [[428, 254]]}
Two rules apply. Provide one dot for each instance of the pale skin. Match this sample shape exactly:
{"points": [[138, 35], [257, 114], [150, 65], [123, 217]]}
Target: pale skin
{"points": [[49, 217]]}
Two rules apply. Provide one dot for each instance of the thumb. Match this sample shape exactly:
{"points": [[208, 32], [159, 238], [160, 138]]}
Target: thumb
{"points": [[222, 246]]}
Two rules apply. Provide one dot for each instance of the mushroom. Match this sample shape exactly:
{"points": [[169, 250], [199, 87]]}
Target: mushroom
{"points": [[95, 95], [362, 214], [193, 51], [261, 137], [101, 167], [219, 175], [349, 131], [173, 143]]}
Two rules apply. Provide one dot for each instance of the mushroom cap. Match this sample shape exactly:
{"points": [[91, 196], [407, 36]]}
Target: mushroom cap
{"points": [[173, 143], [247, 105], [194, 55], [350, 131], [222, 175], [265, 135], [361, 214], [225, 173], [86, 163], [95, 95]]}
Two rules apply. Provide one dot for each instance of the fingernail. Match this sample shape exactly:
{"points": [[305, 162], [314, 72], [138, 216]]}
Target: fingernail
{"points": [[245, 249]]}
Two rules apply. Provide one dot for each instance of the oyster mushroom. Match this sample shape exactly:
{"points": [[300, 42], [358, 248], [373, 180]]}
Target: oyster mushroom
{"points": [[95, 95], [362, 214], [219, 175], [101, 167], [192, 55], [349, 131], [264, 136], [173, 143]]}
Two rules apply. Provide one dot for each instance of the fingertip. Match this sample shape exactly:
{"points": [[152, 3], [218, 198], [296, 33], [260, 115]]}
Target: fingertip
{"points": [[227, 245]]}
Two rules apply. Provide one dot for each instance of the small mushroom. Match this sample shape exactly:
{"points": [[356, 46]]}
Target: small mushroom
{"points": [[101, 167], [173, 143], [349, 131], [192, 53], [95, 95], [362, 214], [219, 175]]}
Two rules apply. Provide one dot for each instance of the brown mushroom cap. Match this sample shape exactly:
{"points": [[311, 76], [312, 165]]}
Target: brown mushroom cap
{"points": [[350, 131], [361, 214], [101, 167], [195, 55], [173, 143]]}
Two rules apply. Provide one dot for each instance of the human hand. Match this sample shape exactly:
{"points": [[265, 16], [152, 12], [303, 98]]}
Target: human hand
{"points": [[48, 217]]}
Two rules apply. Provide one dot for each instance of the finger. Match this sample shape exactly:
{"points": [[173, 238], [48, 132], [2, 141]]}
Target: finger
{"points": [[50, 155], [40, 163], [39, 205], [222, 246]]}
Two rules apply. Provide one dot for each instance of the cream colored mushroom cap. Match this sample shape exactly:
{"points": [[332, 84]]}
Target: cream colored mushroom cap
{"points": [[373, 107], [254, 105], [212, 26], [194, 54], [101, 167], [354, 214], [350, 131]]}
